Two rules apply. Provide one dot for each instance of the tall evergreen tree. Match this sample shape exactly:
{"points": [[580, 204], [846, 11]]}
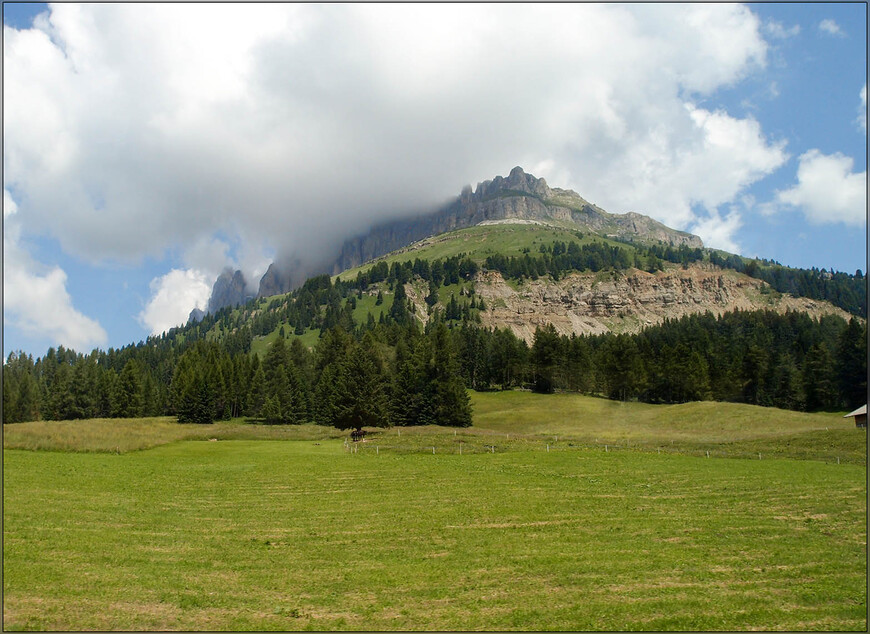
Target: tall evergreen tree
{"points": [[360, 395], [545, 358], [851, 362], [451, 404], [399, 312], [622, 367], [819, 379]]}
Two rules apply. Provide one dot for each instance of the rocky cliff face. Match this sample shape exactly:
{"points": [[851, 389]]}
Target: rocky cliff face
{"points": [[519, 196], [594, 303], [228, 290]]}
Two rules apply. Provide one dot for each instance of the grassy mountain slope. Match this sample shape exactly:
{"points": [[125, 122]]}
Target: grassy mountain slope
{"points": [[581, 302], [481, 241]]}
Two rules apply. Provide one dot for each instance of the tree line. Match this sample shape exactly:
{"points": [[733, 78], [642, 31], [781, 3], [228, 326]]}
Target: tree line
{"points": [[398, 373], [758, 357], [389, 375]]}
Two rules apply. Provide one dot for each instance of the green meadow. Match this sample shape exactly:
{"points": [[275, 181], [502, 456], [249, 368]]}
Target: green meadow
{"points": [[560, 513], [479, 242]]}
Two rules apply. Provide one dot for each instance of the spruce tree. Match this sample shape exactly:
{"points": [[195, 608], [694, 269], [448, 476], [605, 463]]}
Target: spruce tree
{"points": [[545, 358], [450, 400], [819, 379], [399, 309], [325, 408], [257, 395], [852, 364], [360, 395]]}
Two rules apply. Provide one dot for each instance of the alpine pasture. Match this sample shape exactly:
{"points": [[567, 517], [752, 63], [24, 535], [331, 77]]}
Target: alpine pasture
{"points": [[557, 512]]}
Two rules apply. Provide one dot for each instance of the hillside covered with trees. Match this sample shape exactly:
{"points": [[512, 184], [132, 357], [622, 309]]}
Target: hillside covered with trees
{"points": [[392, 370]]}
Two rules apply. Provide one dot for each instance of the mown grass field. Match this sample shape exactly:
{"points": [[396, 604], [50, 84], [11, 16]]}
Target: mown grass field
{"points": [[256, 533]]}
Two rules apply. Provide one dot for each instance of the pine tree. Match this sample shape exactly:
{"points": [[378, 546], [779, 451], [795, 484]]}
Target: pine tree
{"points": [[852, 364], [257, 393], [81, 391], [451, 403], [622, 367], [360, 395], [819, 380], [325, 406], [545, 358], [272, 410], [432, 297], [399, 309]]}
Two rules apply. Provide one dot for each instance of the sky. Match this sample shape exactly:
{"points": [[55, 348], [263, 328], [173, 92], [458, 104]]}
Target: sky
{"points": [[149, 146]]}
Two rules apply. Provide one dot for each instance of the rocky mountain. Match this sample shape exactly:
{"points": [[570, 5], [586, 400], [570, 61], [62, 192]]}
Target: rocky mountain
{"points": [[520, 196], [229, 290]]}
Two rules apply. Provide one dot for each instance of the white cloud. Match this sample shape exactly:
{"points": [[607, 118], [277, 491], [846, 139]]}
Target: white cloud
{"points": [[862, 109], [830, 27], [174, 295], [718, 232], [715, 159], [288, 127], [779, 31], [827, 190], [208, 256], [35, 298]]}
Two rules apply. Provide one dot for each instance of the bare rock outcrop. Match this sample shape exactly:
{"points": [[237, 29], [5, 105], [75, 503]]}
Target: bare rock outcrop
{"points": [[595, 303]]}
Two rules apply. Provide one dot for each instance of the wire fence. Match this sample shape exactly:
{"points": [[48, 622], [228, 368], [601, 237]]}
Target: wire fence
{"points": [[474, 442]]}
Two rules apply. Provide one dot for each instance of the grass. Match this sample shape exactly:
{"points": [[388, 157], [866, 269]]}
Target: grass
{"points": [[253, 535], [478, 242], [562, 512], [112, 435], [260, 345], [511, 421]]}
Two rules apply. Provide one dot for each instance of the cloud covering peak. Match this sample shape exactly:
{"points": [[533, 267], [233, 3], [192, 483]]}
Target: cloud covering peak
{"points": [[282, 129]]}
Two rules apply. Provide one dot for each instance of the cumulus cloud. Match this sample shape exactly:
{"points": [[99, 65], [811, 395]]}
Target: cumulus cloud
{"points": [[719, 157], [174, 295], [830, 27], [862, 109], [283, 129], [718, 232], [35, 298], [827, 190]]}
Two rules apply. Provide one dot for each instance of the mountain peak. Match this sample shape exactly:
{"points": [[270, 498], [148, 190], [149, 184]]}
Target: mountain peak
{"points": [[517, 180], [518, 196]]}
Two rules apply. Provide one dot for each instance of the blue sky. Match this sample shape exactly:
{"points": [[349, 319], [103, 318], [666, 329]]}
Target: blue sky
{"points": [[148, 146]]}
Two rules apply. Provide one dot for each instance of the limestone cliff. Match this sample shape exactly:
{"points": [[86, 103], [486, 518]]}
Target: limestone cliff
{"points": [[595, 303]]}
